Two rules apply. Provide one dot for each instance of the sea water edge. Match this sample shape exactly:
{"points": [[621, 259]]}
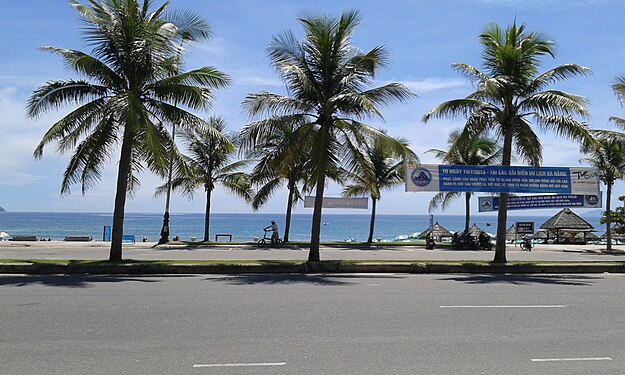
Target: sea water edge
{"points": [[245, 226]]}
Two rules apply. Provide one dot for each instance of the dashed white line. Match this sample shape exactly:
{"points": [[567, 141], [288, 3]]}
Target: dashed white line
{"points": [[239, 364], [504, 307], [570, 359]]}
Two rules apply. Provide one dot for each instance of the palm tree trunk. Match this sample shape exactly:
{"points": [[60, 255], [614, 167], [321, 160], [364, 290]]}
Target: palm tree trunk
{"points": [[121, 191], [502, 215], [372, 221], [207, 214], [289, 208], [608, 216], [467, 211], [321, 146], [315, 234]]}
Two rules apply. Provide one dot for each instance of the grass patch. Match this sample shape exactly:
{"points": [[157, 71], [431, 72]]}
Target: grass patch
{"points": [[239, 262]]}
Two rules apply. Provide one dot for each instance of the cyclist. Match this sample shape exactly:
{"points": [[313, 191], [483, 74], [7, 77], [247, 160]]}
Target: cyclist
{"points": [[274, 235]]}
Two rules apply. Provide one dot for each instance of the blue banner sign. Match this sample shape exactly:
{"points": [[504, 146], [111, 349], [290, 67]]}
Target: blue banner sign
{"points": [[487, 204], [499, 179]]}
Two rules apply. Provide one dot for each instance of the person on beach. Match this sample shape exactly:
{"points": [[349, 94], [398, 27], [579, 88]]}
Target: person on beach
{"points": [[274, 229]]}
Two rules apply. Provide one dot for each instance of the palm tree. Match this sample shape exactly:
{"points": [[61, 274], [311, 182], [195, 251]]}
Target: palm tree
{"points": [[609, 159], [509, 94], [327, 80], [282, 159], [380, 166], [210, 162], [131, 83], [475, 151]]}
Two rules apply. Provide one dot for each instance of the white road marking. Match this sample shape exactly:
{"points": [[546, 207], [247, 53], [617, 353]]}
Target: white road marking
{"points": [[570, 359], [505, 307], [239, 364]]}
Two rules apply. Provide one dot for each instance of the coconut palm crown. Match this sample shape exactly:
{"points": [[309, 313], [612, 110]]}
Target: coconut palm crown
{"points": [[511, 99], [327, 80], [481, 150], [380, 166], [131, 82]]}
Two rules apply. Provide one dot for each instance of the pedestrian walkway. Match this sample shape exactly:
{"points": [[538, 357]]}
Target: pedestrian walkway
{"points": [[150, 251]]}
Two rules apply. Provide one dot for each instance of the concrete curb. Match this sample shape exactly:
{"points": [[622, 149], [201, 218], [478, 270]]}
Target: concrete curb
{"points": [[321, 267]]}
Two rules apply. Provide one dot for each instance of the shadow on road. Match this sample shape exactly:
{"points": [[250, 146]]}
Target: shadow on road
{"points": [[323, 280], [524, 279], [69, 281]]}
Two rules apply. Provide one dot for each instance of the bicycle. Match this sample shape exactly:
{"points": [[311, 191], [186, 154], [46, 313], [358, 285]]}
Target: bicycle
{"points": [[268, 240]]}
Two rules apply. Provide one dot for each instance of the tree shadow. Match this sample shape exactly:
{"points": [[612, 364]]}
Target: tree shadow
{"points": [[524, 279], [70, 281], [285, 279]]}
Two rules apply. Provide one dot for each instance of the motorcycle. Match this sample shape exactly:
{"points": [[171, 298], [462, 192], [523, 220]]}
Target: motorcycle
{"points": [[459, 241], [485, 242], [526, 244], [429, 243]]}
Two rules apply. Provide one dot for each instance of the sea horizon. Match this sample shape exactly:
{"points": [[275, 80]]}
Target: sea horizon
{"points": [[247, 226]]}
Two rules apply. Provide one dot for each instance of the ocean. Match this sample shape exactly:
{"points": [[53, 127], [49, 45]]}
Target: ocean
{"points": [[246, 226]]}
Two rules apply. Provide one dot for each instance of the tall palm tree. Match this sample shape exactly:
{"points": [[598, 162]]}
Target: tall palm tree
{"points": [[381, 165], [211, 162], [282, 159], [130, 85], [609, 159], [510, 93], [327, 80], [474, 151]]}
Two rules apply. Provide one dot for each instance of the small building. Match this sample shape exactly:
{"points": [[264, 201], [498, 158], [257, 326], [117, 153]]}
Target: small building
{"points": [[566, 225]]}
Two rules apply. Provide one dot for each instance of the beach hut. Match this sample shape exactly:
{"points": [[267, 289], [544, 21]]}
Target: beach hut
{"points": [[566, 225], [437, 231], [511, 235], [589, 237], [542, 236], [475, 231]]}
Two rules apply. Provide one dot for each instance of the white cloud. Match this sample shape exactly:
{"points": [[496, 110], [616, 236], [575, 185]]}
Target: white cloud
{"points": [[255, 79], [434, 84]]}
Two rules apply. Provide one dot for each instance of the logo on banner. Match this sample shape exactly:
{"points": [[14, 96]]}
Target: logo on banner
{"points": [[592, 199], [421, 177], [486, 204]]}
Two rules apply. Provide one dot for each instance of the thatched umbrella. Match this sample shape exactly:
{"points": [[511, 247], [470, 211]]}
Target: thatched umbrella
{"points": [[511, 233], [542, 234], [589, 236], [475, 230], [437, 231], [567, 221]]}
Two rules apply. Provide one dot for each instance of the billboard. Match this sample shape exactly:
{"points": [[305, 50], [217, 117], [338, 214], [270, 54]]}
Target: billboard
{"points": [[329, 202], [500, 179], [525, 227], [524, 202]]}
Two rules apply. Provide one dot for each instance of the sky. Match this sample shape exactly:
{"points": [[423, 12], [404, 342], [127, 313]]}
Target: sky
{"points": [[423, 39]]}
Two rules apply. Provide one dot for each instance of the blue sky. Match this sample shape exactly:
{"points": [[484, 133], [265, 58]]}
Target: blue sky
{"points": [[423, 39]]}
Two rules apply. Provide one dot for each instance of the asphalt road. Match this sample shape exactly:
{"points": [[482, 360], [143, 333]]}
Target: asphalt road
{"points": [[313, 324]]}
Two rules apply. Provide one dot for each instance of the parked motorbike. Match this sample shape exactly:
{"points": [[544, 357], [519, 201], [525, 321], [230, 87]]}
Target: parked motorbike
{"points": [[429, 243], [484, 241]]}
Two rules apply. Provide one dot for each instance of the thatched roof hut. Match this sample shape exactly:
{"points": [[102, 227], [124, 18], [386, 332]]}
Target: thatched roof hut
{"points": [[567, 220], [566, 225], [437, 231], [511, 234]]}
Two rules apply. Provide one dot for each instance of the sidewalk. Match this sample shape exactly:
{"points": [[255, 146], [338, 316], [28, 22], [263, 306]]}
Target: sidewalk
{"points": [[378, 258]]}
